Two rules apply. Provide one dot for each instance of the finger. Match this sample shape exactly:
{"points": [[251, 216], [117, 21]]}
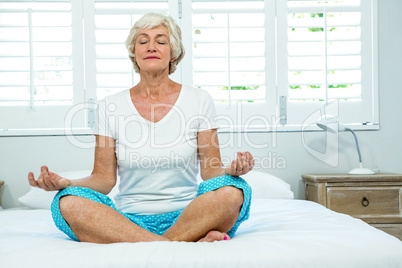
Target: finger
{"points": [[42, 185], [53, 181], [243, 157], [40, 180], [46, 180], [48, 183], [250, 160], [238, 166], [246, 167], [231, 169], [244, 162], [31, 180], [234, 165], [248, 156], [44, 171], [239, 161]]}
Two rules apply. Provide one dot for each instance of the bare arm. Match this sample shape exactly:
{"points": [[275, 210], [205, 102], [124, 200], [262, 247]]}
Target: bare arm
{"points": [[210, 158], [102, 179]]}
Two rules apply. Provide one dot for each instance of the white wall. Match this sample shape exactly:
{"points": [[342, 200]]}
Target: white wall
{"points": [[285, 155]]}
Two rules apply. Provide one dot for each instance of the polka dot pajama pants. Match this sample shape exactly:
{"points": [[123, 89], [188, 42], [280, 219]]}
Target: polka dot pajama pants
{"points": [[157, 224]]}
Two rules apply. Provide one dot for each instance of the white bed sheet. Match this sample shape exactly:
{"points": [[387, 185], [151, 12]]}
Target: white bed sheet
{"points": [[279, 233]]}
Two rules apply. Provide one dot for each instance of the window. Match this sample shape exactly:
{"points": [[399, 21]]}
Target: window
{"points": [[114, 72], [329, 56], [261, 60], [229, 50], [36, 63], [229, 54]]}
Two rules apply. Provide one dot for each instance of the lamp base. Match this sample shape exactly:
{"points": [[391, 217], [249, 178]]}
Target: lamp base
{"points": [[361, 171]]}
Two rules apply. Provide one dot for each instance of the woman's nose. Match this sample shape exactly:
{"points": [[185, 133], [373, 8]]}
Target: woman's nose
{"points": [[151, 46]]}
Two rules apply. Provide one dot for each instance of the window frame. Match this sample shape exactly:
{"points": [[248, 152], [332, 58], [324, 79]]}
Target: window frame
{"points": [[84, 74], [26, 112], [373, 123]]}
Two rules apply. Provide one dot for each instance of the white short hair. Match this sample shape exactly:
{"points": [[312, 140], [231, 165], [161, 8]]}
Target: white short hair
{"points": [[150, 21]]}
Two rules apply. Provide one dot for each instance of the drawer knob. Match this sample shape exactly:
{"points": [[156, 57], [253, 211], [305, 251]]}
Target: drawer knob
{"points": [[365, 202]]}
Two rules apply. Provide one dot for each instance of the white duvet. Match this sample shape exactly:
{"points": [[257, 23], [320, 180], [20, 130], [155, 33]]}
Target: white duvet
{"points": [[279, 233]]}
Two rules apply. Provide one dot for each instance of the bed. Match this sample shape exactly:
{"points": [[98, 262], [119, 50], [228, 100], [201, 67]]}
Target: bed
{"points": [[281, 232]]}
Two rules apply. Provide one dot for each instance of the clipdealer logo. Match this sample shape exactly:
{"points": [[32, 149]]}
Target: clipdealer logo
{"points": [[330, 156]]}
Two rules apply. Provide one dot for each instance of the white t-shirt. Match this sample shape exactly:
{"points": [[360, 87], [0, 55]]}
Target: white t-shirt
{"points": [[157, 162]]}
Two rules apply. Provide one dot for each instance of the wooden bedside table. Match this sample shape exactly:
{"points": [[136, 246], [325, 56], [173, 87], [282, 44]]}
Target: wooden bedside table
{"points": [[1, 184], [376, 199]]}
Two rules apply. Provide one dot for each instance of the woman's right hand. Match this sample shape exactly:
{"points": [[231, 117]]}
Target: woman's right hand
{"points": [[48, 181]]}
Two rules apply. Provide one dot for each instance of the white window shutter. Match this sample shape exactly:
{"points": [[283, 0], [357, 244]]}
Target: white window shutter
{"points": [[229, 55], [327, 56], [261, 60], [114, 71], [36, 64]]}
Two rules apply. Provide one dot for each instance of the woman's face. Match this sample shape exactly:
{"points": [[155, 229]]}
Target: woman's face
{"points": [[152, 49]]}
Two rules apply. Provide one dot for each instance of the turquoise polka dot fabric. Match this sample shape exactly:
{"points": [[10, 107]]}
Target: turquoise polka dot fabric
{"points": [[157, 224], [218, 182]]}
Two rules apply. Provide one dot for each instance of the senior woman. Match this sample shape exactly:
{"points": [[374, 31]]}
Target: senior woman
{"points": [[157, 134]]}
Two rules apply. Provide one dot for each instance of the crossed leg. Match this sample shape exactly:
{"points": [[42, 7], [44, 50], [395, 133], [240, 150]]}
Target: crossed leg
{"points": [[207, 218], [215, 211], [94, 222]]}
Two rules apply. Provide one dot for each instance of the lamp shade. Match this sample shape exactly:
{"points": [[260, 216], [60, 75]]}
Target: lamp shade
{"points": [[330, 123]]}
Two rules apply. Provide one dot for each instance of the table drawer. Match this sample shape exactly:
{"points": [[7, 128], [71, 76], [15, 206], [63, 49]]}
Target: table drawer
{"points": [[370, 201], [392, 229]]}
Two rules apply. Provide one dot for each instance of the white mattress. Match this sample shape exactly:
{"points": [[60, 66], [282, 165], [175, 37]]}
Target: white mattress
{"points": [[279, 233]]}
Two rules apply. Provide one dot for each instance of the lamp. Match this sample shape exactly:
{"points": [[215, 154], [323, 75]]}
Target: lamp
{"points": [[330, 124]]}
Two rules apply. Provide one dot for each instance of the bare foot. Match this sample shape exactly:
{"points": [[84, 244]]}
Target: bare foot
{"points": [[214, 236]]}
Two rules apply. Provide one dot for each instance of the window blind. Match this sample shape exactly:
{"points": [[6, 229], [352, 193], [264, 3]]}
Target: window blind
{"points": [[229, 49], [261, 60], [36, 63], [328, 58], [36, 53], [324, 50], [113, 20]]}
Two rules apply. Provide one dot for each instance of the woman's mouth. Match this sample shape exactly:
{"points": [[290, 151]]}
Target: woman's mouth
{"points": [[152, 58]]}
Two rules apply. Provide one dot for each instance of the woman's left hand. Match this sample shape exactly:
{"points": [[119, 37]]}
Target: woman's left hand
{"points": [[243, 163]]}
